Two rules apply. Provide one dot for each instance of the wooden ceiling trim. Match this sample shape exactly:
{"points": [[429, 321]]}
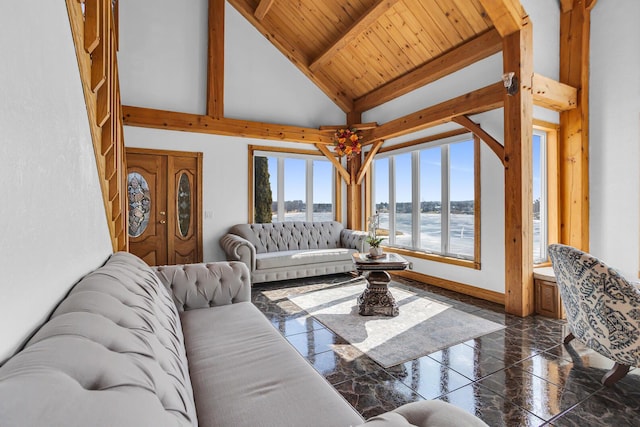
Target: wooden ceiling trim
{"points": [[478, 101], [507, 15], [215, 59], [466, 54], [491, 142], [553, 95], [333, 92], [262, 9], [358, 27], [161, 119]]}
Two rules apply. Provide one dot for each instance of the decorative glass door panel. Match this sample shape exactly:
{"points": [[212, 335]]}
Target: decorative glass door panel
{"points": [[164, 206]]}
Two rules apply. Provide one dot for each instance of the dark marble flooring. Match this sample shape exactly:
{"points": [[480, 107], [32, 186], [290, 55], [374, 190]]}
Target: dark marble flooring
{"points": [[519, 376]]}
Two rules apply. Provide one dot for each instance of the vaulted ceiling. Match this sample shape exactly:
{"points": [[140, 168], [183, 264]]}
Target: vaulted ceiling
{"points": [[363, 53]]}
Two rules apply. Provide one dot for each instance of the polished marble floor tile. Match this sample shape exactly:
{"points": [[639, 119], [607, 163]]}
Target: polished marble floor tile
{"points": [[522, 375]]}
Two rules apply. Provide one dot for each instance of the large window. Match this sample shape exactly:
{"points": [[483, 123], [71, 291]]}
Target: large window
{"points": [[426, 198], [292, 187]]}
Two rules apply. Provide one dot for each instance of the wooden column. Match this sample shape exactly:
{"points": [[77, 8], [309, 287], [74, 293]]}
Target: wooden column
{"points": [[354, 191], [215, 60], [574, 125], [518, 122]]}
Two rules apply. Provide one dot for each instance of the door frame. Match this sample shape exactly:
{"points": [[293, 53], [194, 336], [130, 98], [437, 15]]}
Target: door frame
{"points": [[198, 205]]}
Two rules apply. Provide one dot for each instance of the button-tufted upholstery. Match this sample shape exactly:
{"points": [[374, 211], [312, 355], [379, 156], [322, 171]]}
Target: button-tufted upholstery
{"points": [[112, 354], [118, 352], [205, 285], [288, 250]]}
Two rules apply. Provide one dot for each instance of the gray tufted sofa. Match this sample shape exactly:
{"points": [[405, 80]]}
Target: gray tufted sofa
{"points": [[290, 250], [174, 346]]}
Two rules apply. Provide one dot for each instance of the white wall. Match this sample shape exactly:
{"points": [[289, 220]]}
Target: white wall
{"points": [[614, 155], [52, 219]]}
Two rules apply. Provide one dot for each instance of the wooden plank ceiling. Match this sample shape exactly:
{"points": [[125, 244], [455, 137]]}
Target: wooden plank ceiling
{"points": [[362, 53]]}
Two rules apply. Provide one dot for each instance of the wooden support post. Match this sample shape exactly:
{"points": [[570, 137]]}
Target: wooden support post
{"points": [[518, 122], [574, 127], [215, 60], [354, 190]]}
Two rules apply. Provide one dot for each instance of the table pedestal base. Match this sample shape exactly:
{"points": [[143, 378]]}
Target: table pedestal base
{"points": [[376, 298]]}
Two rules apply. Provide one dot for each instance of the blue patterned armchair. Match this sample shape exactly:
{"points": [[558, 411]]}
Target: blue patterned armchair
{"points": [[602, 308]]}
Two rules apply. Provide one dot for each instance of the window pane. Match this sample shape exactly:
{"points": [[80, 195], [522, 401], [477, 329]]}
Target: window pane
{"points": [[539, 200], [431, 200], [265, 179], [381, 194], [403, 200], [461, 199], [295, 190], [322, 191]]}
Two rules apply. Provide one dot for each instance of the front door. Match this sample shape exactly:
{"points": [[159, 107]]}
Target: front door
{"points": [[164, 192]]}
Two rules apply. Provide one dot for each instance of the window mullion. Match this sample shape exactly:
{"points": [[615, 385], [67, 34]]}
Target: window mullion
{"points": [[392, 200], [415, 199], [280, 189], [309, 190], [445, 208]]}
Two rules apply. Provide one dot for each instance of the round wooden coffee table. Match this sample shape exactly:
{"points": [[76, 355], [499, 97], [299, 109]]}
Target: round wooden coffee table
{"points": [[376, 298]]}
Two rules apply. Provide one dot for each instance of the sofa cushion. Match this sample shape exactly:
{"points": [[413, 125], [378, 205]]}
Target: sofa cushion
{"points": [[304, 257], [289, 236], [112, 354], [244, 373]]}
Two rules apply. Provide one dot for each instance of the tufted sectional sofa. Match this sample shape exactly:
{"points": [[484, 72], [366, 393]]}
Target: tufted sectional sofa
{"points": [[175, 346], [290, 250]]}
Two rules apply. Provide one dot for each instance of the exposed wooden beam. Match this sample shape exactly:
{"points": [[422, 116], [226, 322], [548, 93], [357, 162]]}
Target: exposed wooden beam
{"points": [[358, 126], [425, 140], [518, 176], [507, 15], [335, 93], [552, 94], [574, 128], [478, 101], [354, 189], [334, 160], [469, 124], [464, 55], [364, 168], [566, 5], [356, 29], [160, 119], [263, 9], [215, 59]]}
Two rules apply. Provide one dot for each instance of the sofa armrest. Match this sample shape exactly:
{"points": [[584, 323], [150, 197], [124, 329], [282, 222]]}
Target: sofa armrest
{"points": [[239, 249], [206, 285], [426, 413], [354, 239]]}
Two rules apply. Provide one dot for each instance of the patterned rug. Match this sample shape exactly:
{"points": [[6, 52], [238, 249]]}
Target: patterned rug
{"points": [[422, 327]]}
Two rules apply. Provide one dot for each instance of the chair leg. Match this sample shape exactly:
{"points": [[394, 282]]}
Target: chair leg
{"points": [[615, 374], [569, 338]]}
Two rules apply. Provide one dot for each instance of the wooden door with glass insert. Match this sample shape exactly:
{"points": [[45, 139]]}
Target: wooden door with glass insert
{"points": [[164, 194]]}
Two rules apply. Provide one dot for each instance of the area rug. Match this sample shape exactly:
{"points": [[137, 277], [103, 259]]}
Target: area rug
{"points": [[422, 327]]}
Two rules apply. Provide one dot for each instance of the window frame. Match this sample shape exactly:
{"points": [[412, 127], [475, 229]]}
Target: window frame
{"points": [[292, 153], [444, 139], [551, 157]]}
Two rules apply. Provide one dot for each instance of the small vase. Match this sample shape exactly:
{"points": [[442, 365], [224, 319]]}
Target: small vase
{"points": [[375, 252]]}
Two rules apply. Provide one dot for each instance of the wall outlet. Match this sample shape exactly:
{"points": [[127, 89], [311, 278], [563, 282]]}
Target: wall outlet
{"points": [[208, 214]]}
